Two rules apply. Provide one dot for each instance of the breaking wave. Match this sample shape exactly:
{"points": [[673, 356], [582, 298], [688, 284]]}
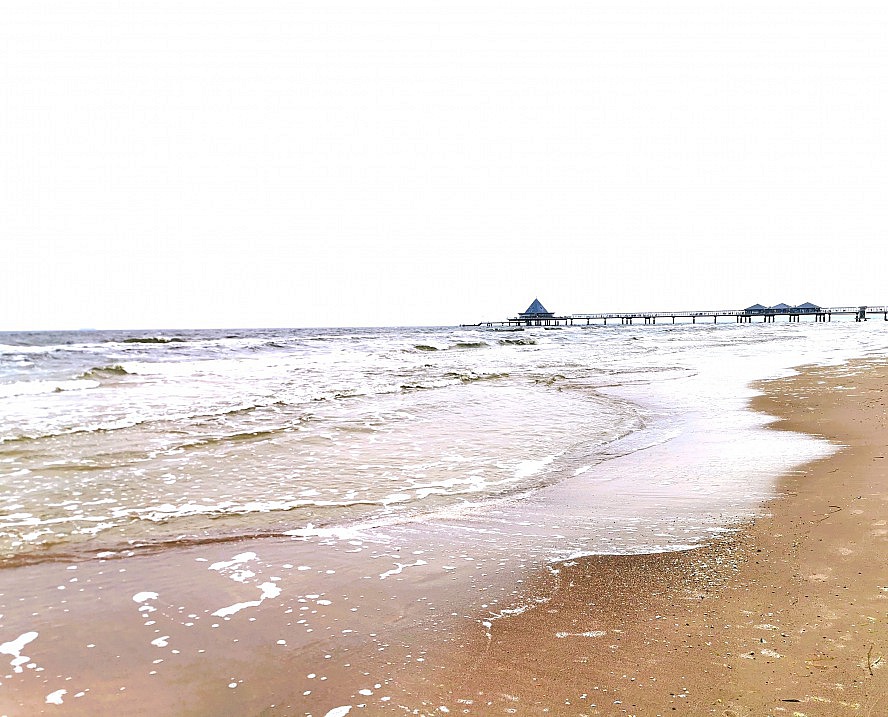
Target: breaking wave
{"points": [[152, 340], [471, 377], [33, 388], [100, 372]]}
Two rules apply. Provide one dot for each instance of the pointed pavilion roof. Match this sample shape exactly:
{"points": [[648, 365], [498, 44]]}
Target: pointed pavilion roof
{"points": [[536, 311], [536, 308]]}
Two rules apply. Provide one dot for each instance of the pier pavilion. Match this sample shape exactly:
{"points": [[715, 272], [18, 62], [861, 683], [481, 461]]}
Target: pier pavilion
{"points": [[536, 315]]}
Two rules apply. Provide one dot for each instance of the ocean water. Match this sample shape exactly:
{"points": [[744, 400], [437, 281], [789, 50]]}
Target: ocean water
{"points": [[137, 440]]}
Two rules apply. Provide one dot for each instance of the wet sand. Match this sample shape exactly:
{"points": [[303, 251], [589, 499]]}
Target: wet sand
{"points": [[787, 616]]}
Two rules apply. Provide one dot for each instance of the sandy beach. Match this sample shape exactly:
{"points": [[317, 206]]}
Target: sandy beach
{"points": [[786, 617]]}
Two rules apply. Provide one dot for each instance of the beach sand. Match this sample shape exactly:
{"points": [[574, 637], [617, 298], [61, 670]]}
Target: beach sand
{"points": [[787, 616]]}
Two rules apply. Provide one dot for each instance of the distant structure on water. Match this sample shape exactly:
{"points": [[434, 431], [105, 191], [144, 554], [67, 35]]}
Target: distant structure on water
{"points": [[536, 311], [537, 315], [806, 308]]}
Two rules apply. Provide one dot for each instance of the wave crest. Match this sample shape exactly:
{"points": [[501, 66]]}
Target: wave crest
{"points": [[152, 340], [471, 376], [34, 388], [518, 342], [100, 372]]}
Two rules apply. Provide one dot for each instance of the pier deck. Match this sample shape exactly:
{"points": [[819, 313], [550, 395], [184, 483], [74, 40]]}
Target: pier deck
{"points": [[860, 313]]}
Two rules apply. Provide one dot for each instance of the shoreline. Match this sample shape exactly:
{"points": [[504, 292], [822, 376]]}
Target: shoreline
{"points": [[785, 616], [788, 616]]}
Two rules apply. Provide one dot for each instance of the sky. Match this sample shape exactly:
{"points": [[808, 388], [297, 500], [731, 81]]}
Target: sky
{"points": [[377, 163]]}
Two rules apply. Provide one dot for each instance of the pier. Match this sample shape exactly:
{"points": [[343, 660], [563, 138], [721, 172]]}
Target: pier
{"points": [[536, 315]]}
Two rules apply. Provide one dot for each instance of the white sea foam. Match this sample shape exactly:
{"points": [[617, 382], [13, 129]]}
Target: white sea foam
{"points": [[232, 568], [55, 698], [525, 469], [339, 711], [269, 590], [400, 568], [14, 649], [339, 533]]}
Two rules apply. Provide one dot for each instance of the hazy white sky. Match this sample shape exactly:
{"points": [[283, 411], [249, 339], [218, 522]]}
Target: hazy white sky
{"points": [[345, 162]]}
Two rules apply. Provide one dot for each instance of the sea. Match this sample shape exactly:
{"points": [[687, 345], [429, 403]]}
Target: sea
{"points": [[404, 458], [114, 440]]}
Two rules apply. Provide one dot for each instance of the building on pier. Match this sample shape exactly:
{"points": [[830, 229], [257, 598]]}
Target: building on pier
{"points": [[536, 311], [808, 308], [756, 310]]}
